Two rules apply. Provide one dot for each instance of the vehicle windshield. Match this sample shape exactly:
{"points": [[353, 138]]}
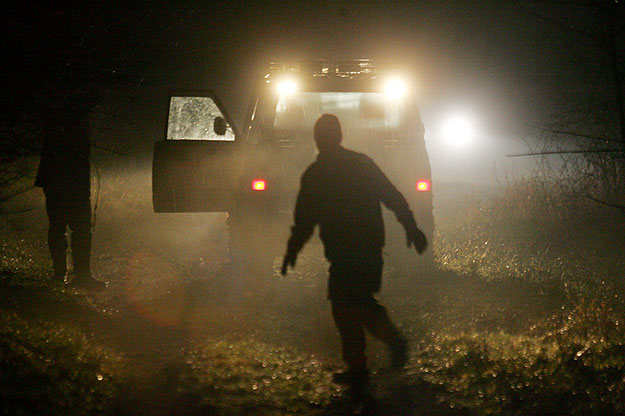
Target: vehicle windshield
{"points": [[367, 119]]}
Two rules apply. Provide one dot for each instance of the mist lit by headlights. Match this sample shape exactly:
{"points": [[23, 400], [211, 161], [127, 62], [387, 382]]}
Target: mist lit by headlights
{"points": [[458, 131]]}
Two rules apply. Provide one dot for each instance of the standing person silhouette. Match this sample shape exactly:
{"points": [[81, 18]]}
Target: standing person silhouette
{"points": [[341, 192], [64, 174]]}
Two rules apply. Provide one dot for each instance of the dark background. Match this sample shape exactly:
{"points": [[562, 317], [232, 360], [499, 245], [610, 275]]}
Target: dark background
{"points": [[504, 64]]}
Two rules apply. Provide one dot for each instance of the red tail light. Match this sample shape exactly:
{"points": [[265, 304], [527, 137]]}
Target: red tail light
{"points": [[423, 185], [259, 185]]}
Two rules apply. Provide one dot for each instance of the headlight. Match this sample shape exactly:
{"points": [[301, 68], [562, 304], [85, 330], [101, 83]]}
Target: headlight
{"points": [[458, 131], [395, 88], [286, 87]]}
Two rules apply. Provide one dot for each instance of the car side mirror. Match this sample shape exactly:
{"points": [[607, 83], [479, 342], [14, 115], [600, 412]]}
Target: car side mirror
{"points": [[220, 126]]}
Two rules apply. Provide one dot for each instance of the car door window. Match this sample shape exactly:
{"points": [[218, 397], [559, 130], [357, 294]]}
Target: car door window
{"points": [[192, 118]]}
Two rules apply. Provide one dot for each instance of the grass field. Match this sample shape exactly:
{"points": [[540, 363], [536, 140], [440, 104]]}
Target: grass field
{"points": [[522, 315]]}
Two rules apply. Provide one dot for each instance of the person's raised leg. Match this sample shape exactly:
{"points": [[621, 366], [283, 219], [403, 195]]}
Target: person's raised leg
{"points": [[377, 321]]}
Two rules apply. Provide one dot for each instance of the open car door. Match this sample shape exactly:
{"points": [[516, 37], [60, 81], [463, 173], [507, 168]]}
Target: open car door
{"points": [[198, 165]]}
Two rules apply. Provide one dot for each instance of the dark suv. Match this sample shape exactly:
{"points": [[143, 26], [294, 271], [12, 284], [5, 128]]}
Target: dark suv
{"points": [[205, 164]]}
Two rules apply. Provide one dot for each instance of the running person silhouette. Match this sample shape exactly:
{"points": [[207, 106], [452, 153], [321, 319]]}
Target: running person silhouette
{"points": [[341, 192]]}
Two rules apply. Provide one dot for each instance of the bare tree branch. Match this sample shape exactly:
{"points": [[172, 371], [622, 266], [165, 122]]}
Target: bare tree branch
{"points": [[558, 24], [100, 147], [564, 152], [13, 194], [13, 212], [584, 136], [609, 204]]}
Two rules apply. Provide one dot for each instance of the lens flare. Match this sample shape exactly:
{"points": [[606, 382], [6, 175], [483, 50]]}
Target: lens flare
{"points": [[155, 289]]}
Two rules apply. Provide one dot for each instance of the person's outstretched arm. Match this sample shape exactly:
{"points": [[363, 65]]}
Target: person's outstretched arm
{"points": [[306, 218], [395, 201]]}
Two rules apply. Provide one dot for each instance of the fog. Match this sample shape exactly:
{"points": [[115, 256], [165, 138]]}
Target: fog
{"points": [[516, 309], [179, 312]]}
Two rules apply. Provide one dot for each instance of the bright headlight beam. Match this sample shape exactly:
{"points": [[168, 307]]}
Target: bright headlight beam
{"points": [[458, 131], [286, 87], [395, 88]]}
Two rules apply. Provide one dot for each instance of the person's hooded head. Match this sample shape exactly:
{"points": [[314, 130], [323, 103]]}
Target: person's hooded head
{"points": [[327, 133]]}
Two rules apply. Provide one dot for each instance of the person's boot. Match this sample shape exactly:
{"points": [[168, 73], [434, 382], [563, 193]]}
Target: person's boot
{"points": [[82, 281], [359, 378], [82, 269], [358, 383], [59, 267], [399, 353], [57, 244]]}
